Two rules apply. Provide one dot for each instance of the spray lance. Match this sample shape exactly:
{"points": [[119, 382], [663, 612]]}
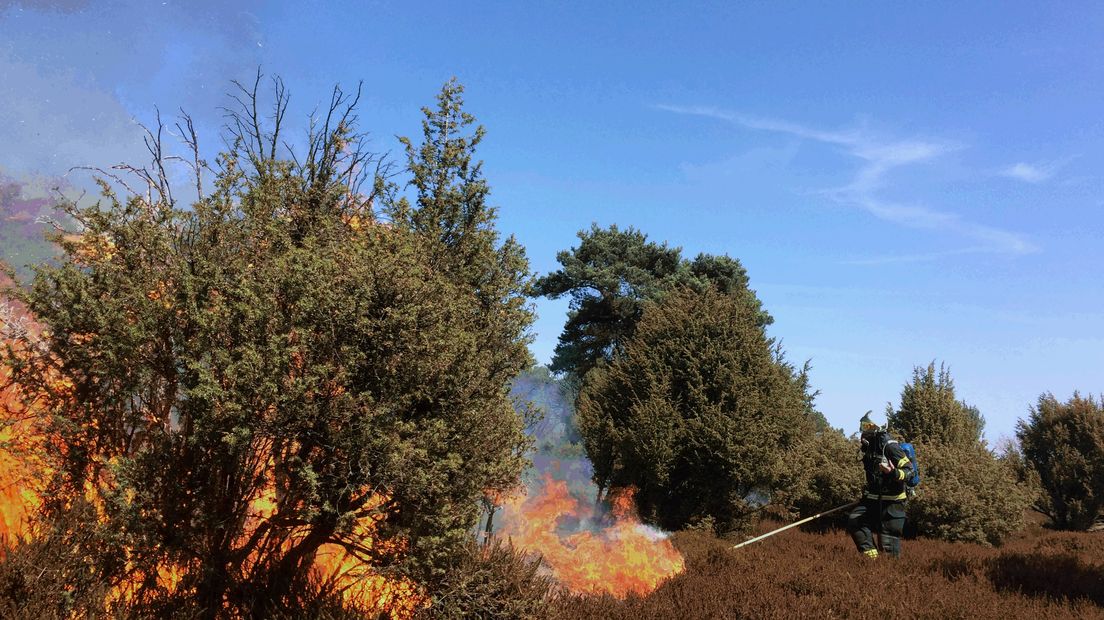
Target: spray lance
{"points": [[797, 523]]}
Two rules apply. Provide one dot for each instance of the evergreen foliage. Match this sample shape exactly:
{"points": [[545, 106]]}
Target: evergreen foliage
{"points": [[1064, 444], [698, 412], [611, 275], [967, 494], [232, 384], [930, 413], [824, 472], [1011, 454]]}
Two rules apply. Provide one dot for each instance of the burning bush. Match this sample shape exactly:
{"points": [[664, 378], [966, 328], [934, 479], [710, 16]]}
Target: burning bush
{"points": [[588, 549], [269, 397], [496, 581]]}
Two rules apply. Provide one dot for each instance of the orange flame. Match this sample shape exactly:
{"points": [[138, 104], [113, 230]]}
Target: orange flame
{"points": [[18, 497], [21, 478], [363, 588], [21, 472], [622, 558]]}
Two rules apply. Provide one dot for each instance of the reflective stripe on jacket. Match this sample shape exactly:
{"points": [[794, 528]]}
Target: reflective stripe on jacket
{"points": [[889, 486]]}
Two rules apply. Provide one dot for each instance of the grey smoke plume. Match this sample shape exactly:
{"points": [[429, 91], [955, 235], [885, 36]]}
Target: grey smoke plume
{"points": [[78, 76], [77, 79]]}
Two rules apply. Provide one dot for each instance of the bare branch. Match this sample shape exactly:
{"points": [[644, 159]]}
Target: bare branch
{"points": [[279, 109], [113, 177], [188, 135], [154, 145]]}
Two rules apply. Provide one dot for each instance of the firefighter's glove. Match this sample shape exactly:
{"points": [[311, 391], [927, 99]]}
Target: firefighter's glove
{"points": [[886, 467]]}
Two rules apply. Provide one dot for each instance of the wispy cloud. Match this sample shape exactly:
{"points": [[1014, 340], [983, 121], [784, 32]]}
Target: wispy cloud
{"points": [[911, 258], [1027, 172], [878, 157], [1034, 173]]}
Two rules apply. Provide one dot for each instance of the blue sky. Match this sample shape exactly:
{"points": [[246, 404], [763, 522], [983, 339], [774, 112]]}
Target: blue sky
{"points": [[903, 183]]}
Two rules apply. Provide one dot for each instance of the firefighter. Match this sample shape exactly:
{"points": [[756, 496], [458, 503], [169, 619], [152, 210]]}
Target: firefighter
{"points": [[881, 510]]}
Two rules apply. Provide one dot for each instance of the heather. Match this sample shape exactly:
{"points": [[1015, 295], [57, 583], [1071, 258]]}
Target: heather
{"points": [[809, 574]]}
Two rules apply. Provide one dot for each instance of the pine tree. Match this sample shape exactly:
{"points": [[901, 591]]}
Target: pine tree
{"points": [[611, 275]]}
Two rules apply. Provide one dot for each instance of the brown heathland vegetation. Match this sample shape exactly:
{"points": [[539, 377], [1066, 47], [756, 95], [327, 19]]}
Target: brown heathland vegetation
{"points": [[1041, 574]]}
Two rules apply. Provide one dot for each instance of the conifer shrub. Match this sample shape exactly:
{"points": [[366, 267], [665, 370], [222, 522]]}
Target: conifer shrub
{"points": [[825, 472], [1064, 445], [1011, 455], [699, 413], [931, 412], [968, 495], [306, 357]]}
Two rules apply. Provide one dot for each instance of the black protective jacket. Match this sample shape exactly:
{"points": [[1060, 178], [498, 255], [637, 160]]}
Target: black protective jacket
{"points": [[880, 485]]}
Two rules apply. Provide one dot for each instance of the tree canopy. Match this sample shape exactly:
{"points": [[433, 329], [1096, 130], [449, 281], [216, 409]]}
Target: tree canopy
{"points": [[610, 276]]}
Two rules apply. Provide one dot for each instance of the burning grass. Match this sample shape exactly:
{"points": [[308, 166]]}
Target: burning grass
{"points": [[803, 574]]}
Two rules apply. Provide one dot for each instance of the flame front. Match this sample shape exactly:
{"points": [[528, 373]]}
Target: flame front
{"points": [[624, 557], [364, 589], [360, 584], [21, 446]]}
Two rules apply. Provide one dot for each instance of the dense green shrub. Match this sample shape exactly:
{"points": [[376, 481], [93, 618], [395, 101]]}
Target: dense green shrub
{"points": [[968, 495], [825, 472], [699, 413], [1010, 453], [1064, 444]]}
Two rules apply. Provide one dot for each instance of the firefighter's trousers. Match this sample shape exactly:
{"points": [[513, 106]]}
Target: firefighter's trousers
{"points": [[865, 521]]}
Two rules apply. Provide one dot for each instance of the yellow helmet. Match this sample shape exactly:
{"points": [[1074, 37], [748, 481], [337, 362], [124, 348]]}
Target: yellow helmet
{"points": [[866, 425]]}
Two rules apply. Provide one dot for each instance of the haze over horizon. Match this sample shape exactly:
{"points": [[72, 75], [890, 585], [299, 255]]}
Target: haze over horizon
{"points": [[903, 184]]}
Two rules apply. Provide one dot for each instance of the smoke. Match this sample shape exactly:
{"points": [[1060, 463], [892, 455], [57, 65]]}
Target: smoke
{"points": [[559, 449], [78, 78], [28, 210]]}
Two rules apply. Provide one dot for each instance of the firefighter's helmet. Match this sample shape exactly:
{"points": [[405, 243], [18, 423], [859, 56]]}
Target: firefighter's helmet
{"points": [[866, 425]]}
